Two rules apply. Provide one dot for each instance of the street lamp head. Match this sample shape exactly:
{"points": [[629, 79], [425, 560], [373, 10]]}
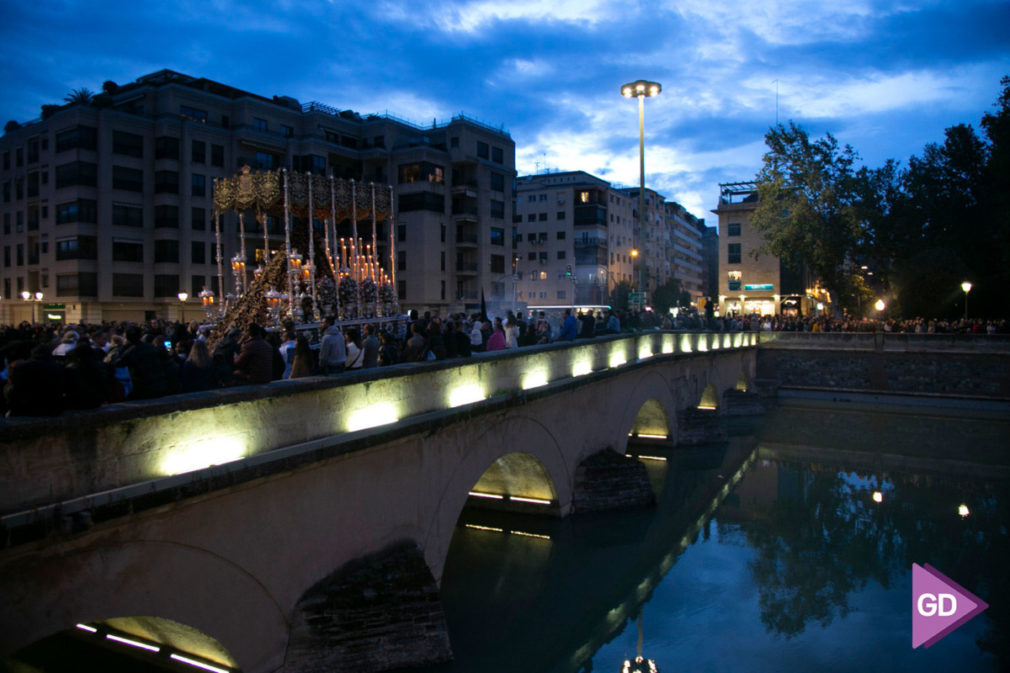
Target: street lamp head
{"points": [[641, 89], [26, 295], [38, 296], [879, 305], [966, 286], [634, 252], [183, 296]]}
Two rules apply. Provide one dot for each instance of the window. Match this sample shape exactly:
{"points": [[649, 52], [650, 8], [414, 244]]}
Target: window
{"points": [[166, 147], [7, 224], [127, 179], [166, 285], [264, 161], [531, 256], [379, 141], [542, 197], [198, 184], [497, 236], [7, 256], [127, 144], [531, 238], [166, 182], [532, 217], [260, 124], [19, 155], [497, 263], [497, 155], [166, 250], [287, 131], [482, 150], [561, 215], [198, 219], [193, 114], [197, 284], [401, 289], [79, 138], [81, 210], [561, 294], [80, 173], [542, 237], [82, 284], [166, 217], [198, 152], [128, 284], [21, 254], [401, 260], [401, 233], [561, 254], [423, 171], [198, 252], [561, 235], [543, 217], [127, 216], [733, 253], [217, 155], [543, 257], [498, 210], [80, 247], [127, 251], [734, 229], [422, 201], [441, 262], [497, 182], [318, 164], [7, 192]]}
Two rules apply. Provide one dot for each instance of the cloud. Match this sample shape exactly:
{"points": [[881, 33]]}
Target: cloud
{"points": [[472, 17]]}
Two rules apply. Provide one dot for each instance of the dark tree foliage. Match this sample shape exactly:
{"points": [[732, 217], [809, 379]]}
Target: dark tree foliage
{"points": [[922, 229], [668, 295]]}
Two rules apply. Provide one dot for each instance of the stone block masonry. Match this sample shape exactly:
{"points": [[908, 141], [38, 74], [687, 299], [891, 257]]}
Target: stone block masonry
{"points": [[377, 613], [608, 480]]}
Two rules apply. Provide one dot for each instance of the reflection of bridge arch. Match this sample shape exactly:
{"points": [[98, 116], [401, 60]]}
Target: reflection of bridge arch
{"points": [[516, 453], [195, 587]]}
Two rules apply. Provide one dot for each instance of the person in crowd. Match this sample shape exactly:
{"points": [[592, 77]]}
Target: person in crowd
{"points": [[417, 345], [496, 342], [36, 386], [224, 356], [333, 349], [87, 377], [355, 355], [287, 352], [569, 327], [198, 372], [302, 363], [389, 354], [476, 336], [436, 341], [510, 330], [67, 343], [147, 374], [370, 346], [255, 361]]}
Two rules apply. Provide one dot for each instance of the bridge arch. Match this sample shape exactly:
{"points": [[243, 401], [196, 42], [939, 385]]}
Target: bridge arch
{"points": [[197, 588], [650, 403], [128, 638], [516, 452]]}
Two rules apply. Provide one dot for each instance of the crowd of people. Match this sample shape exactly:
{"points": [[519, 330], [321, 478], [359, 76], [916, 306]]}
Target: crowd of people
{"points": [[48, 369]]}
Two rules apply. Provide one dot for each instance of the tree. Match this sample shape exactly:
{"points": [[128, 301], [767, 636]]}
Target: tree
{"points": [[806, 204], [619, 295], [668, 295], [80, 96]]}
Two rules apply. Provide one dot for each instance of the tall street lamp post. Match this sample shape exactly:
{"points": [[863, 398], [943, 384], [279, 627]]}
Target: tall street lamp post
{"points": [[966, 286], [641, 90]]}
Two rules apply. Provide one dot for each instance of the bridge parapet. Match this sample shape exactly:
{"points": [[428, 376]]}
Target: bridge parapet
{"points": [[78, 455], [901, 342]]}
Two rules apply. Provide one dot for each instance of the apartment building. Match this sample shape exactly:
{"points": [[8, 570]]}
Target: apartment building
{"points": [[107, 208], [685, 249], [573, 235], [749, 281]]}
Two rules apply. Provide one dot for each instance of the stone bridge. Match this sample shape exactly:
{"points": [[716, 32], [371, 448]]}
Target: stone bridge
{"points": [[240, 518]]}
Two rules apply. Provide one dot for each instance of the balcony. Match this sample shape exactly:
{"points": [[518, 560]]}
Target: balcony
{"points": [[590, 214], [466, 237], [466, 268]]}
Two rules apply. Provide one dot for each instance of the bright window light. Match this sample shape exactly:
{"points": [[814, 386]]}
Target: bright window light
{"points": [[466, 395], [375, 415]]}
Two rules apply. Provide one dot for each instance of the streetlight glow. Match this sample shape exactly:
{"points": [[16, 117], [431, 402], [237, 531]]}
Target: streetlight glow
{"points": [[879, 305], [966, 286]]}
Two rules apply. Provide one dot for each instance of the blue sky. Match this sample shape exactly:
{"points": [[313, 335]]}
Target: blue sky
{"points": [[886, 76]]}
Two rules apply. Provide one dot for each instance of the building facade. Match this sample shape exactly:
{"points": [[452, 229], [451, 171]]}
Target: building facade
{"points": [[751, 281], [574, 236], [107, 204]]}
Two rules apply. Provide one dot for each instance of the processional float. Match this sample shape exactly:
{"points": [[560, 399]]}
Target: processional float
{"points": [[346, 278]]}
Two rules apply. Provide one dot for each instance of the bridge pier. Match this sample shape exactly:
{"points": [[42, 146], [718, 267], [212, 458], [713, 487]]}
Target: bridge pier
{"points": [[608, 480], [377, 613]]}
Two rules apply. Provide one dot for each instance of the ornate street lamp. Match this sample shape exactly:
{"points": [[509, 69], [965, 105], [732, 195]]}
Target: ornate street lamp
{"points": [[207, 299], [641, 90]]}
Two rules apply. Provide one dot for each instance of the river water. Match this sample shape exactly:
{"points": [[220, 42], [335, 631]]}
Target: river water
{"points": [[769, 553]]}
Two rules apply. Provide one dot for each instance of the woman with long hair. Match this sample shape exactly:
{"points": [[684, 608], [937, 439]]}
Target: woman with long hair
{"points": [[198, 372], [303, 362]]}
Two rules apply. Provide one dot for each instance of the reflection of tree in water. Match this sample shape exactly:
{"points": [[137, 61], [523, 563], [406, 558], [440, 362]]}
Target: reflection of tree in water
{"points": [[823, 537]]}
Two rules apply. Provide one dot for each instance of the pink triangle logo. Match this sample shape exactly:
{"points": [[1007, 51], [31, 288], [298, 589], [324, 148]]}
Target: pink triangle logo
{"points": [[939, 605]]}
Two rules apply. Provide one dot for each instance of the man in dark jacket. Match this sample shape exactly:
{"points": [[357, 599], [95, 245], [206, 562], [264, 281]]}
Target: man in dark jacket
{"points": [[255, 362], [370, 347], [35, 387]]}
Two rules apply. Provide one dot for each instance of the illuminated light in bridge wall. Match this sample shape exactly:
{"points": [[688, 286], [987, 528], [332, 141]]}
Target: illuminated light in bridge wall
{"points": [[466, 394], [685, 343], [214, 449], [535, 379], [372, 416]]}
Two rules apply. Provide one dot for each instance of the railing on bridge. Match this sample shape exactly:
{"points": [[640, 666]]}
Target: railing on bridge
{"points": [[142, 445]]}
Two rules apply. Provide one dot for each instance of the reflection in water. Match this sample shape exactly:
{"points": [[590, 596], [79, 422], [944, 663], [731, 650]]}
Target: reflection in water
{"points": [[804, 564]]}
